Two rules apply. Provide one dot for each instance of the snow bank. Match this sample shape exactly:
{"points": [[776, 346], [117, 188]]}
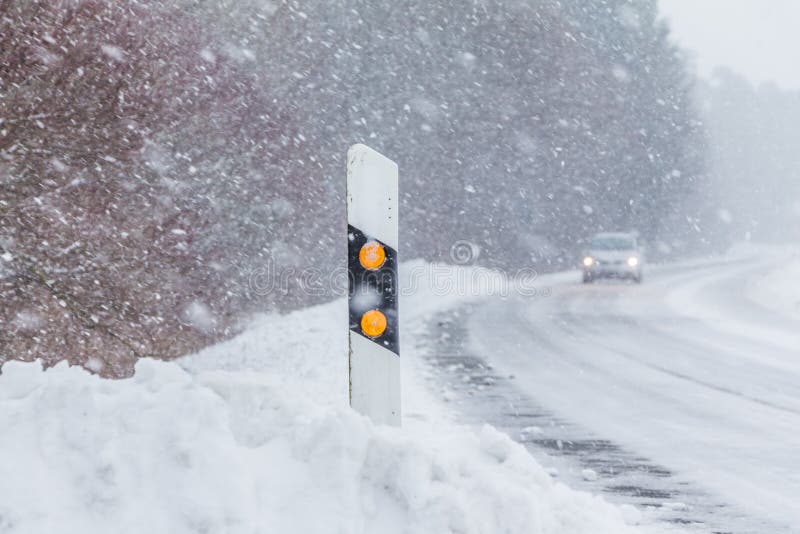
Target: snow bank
{"points": [[779, 290], [222, 452], [253, 436]]}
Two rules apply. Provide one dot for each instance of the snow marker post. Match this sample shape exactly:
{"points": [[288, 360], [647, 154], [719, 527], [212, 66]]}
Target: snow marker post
{"points": [[372, 238]]}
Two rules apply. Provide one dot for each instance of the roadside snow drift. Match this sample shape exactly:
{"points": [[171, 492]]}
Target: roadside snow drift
{"points": [[779, 289], [226, 452], [267, 445]]}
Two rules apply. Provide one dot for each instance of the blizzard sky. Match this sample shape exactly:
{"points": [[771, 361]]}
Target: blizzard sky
{"points": [[757, 38]]}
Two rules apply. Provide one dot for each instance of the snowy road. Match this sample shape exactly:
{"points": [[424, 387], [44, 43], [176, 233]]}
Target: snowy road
{"points": [[687, 370]]}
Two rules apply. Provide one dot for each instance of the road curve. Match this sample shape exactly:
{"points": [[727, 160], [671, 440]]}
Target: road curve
{"points": [[684, 369]]}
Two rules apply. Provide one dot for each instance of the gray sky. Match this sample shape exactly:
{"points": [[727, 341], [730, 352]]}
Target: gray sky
{"points": [[757, 38]]}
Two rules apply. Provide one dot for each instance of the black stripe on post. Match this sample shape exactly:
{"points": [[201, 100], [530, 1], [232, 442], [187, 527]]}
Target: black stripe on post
{"points": [[373, 290]]}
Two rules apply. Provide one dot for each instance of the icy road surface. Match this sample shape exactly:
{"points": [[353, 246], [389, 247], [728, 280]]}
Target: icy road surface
{"points": [[692, 380]]}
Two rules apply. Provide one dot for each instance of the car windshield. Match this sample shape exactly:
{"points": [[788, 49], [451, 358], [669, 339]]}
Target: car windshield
{"points": [[612, 243]]}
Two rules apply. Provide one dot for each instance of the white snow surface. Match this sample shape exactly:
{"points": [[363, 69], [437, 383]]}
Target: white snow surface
{"points": [[779, 288], [254, 435]]}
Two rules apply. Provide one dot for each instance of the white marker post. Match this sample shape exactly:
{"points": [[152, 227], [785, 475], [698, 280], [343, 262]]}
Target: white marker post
{"points": [[372, 237]]}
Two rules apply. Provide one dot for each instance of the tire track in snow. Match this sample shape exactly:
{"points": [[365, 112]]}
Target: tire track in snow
{"points": [[580, 457]]}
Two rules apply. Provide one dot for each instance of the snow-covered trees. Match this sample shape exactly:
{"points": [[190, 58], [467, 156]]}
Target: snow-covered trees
{"points": [[754, 161], [515, 124], [84, 86], [154, 156]]}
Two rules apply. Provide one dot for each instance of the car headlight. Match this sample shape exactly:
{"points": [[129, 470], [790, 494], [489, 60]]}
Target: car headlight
{"points": [[633, 261], [588, 261]]}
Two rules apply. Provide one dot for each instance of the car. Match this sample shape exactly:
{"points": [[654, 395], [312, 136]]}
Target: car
{"points": [[613, 255]]}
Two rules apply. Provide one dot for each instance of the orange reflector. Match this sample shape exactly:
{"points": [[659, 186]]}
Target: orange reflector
{"points": [[372, 255], [373, 323]]}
